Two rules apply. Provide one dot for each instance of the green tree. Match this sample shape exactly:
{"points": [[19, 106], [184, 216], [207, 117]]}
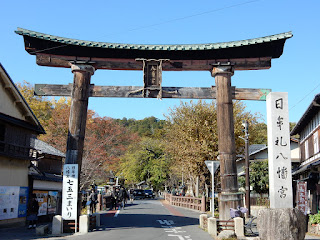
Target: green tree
{"points": [[292, 125], [259, 177], [147, 127], [191, 135], [145, 161], [258, 133]]}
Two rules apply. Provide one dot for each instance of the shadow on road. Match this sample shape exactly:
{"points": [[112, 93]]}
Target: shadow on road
{"points": [[146, 220]]}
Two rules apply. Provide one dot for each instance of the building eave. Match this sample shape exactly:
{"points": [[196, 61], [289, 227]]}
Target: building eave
{"points": [[311, 111]]}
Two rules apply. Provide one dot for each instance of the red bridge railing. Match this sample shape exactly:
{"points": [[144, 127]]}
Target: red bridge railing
{"points": [[194, 203]]}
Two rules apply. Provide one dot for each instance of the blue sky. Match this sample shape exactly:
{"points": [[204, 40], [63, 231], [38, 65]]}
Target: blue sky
{"points": [[170, 22]]}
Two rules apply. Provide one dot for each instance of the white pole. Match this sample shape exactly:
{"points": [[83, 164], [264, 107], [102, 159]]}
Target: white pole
{"points": [[212, 197]]}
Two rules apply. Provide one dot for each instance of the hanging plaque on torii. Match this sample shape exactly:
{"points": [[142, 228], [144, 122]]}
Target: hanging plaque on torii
{"points": [[221, 59]]}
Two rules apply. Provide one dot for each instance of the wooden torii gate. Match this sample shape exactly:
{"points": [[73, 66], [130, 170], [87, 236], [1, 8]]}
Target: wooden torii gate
{"points": [[221, 59]]}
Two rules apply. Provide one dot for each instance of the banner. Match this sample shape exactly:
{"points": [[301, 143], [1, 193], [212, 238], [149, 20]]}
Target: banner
{"points": [[23, 201], [42, 198], [13, 202], [52, 202]]}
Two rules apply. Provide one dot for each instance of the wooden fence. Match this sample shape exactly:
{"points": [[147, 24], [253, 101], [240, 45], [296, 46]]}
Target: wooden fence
{"points": [[194, 203], [225, 225], [92, 222]]}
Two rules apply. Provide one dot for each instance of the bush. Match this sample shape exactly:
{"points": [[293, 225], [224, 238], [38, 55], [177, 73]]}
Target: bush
{"points": [[315, 218], [263, 202]]}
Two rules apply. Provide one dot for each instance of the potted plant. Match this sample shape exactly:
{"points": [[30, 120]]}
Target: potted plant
{"points": [[314, 224]]}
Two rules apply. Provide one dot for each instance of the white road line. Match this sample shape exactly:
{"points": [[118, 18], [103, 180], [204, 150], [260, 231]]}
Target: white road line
{"points": [[116, 215]]}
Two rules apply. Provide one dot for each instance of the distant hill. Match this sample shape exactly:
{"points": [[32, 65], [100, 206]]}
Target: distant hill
{"points": [[147, 127]]}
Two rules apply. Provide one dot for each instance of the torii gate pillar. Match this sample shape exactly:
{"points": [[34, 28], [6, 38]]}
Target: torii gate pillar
{"points": [[78, 113], [230, 197]]}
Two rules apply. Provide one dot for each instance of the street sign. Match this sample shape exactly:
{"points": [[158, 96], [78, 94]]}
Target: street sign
{"points": [[70, 192], [214, 164]]}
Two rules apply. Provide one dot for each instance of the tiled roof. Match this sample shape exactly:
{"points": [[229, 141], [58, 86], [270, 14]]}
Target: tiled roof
{"points": [[179, 47], [46, 148], [254, 148], [311, 111]]}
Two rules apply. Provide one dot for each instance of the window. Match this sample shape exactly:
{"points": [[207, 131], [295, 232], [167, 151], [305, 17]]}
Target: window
{"points": [[315, 143], [2, 136], [2, 131], [306, 148]]}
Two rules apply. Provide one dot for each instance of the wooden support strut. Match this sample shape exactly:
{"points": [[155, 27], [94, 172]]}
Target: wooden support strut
{"points": [[230, 198]]}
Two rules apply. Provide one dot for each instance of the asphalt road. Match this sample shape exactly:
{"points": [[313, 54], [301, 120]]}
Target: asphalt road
{"points": [[143, 220], [148, 220]]}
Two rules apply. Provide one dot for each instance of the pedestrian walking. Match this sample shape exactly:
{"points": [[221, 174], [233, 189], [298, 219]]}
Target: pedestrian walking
{"points": [[131, 196], [115, 198], [122, 197], [93, 201], [33, 209]]}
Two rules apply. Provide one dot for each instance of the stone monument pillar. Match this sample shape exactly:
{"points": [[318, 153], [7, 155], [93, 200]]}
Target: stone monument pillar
{"points": [[281, 221], [279, 154]]}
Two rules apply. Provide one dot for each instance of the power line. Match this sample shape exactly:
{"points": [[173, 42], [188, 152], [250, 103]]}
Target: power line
{"points": [[305, 96], [164, 22], [185, 17]]}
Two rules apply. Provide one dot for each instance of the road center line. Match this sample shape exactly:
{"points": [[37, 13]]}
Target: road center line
{"points": [[116, 215]]}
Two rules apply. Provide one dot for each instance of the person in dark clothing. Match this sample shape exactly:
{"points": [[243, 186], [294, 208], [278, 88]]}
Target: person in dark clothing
{"points": [[122, 197], [131, 196], [33, 212], [116, 197], [93, 198]]}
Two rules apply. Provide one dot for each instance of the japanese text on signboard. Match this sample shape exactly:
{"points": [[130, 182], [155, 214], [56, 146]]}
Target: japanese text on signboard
{"points": [[302, 197], [279, 154], [70, 191]]}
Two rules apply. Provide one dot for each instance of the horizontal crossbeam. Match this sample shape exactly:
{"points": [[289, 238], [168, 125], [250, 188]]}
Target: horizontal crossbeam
{"points": [[170, 65], [137, 92]]}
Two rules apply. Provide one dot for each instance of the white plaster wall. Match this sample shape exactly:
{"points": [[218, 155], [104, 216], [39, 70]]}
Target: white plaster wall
{"points": [[47, 185], [8, 106], [13, 172], [295, 152]]}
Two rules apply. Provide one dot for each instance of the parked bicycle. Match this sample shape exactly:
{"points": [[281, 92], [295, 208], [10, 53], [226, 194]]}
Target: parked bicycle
{"points": [[250, 225]]}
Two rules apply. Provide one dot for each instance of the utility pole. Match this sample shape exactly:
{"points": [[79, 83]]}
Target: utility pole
{"points": [[245, 125]]}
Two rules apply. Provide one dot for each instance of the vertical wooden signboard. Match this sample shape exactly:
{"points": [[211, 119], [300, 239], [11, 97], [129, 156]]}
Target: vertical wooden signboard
{"points": [[302, 197], [280, 178], [70, 192]]}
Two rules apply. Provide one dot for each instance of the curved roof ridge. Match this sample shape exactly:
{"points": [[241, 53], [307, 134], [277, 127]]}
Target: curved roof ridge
{"points": [[172, 47]]}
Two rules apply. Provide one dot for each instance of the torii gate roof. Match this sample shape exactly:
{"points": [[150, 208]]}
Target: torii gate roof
{"points": [[258, 49]]}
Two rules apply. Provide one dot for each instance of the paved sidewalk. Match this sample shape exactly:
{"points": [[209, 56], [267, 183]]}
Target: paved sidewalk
{"points": [[23, 233], [20, 233]]}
